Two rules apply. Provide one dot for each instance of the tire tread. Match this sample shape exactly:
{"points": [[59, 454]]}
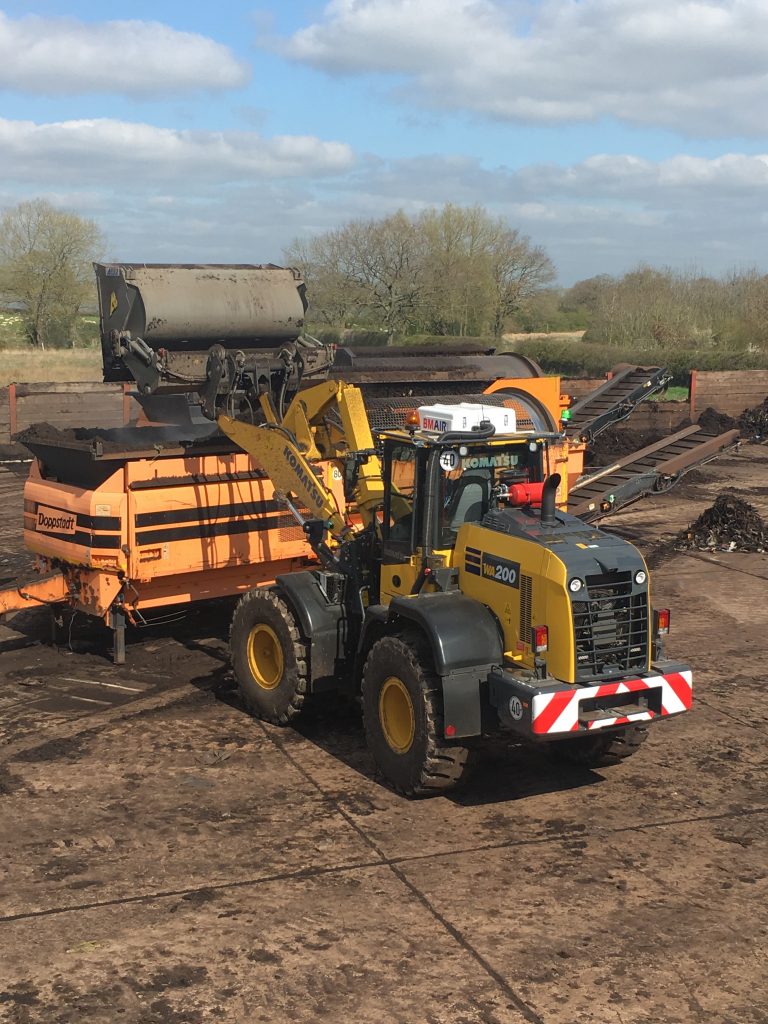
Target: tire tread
{"points": [[444, 765], [602, 749], [297, 691]]}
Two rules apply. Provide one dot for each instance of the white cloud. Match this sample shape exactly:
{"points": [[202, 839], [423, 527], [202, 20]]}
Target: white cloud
{"points": [[201, 197], [55, 56], [135, 153], [696, 66], [636, 177], [605, 214]]}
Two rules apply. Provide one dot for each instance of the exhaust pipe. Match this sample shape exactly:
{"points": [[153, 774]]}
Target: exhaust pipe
{"points": [[549, 490]]}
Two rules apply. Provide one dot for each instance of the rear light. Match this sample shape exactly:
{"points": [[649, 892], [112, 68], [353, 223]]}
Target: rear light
{"points": [[662, 622], [539, 639]]}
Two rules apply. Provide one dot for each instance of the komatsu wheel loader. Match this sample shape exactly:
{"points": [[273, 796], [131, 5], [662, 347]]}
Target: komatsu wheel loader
{"points": [[453, 595]]}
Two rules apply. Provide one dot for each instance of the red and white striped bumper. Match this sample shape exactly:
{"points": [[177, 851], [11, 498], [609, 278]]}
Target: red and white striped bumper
{"points": [[563, 710], [546, 710]]}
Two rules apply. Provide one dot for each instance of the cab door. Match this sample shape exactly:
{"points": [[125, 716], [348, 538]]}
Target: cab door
{"points": [[404, 472]]}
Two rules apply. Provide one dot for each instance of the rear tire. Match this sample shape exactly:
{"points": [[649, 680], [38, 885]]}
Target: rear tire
{"points": [[268, 657], [601, 749], [402, 713]]}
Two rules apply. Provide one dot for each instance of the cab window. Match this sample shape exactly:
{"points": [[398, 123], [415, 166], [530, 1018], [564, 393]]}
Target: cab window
{"points": [[402, 469], [469, 483]]}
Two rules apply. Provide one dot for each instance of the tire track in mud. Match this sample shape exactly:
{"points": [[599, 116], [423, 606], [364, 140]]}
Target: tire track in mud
{"points": [[90, 724], [380, 861]]}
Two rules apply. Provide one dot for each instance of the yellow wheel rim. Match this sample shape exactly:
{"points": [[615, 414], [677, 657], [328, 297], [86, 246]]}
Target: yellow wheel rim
{"points": [[396, 715], [265, 656]]}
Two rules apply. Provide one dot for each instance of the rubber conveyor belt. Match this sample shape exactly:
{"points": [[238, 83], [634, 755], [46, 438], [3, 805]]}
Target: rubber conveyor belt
{"points": [[614, 400], [655, 468]]}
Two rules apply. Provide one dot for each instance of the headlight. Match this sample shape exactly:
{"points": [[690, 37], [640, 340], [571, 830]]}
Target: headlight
{"points": [[641, 576], [575, 585]]}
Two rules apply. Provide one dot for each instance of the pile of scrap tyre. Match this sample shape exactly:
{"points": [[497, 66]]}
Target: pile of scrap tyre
{"points": [[731, 524], [754, 422]]}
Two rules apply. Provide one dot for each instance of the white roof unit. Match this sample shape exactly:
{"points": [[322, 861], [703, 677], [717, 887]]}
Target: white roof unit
{"points": [[464, 416]]}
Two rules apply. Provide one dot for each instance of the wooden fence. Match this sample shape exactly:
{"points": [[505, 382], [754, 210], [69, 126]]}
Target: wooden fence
{"points": [[729, 391], [94, 404], [88, 404]]}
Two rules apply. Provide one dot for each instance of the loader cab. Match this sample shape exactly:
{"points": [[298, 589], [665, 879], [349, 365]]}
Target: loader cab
{"points": [[432, 487]]}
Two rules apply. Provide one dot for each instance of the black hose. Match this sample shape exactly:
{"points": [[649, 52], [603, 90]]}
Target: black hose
{"points": [[479, 433]]}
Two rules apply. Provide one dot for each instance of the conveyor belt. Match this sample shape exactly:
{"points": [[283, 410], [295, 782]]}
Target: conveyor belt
{"points": [[404, 371], [655, 468], [615, 400]]}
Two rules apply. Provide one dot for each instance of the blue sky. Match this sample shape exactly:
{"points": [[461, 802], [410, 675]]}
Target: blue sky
{"points": [[612, 132]]}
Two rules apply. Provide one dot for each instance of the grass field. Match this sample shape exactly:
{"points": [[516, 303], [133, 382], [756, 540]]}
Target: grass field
{"points": [[20, 363], [54, 365], [673, 394], [57, 365], [555, 336]]}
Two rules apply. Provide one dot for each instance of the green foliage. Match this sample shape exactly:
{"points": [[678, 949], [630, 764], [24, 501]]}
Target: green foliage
{"points": [[11, 330], [328, 335], [672, 394], [45, 265], [445, 340], [546, 312], [586, 359], [77, 332], [369, 339], [657, 310], [450, 272]]}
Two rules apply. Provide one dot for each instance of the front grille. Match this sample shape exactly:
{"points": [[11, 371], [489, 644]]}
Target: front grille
{"points": [[611, 627]]}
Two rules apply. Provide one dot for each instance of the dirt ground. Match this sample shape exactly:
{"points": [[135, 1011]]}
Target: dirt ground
{"points": [[168, 860]]}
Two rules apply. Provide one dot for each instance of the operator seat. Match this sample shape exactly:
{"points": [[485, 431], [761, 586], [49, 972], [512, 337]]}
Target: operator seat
{"points": [[470, 500]]}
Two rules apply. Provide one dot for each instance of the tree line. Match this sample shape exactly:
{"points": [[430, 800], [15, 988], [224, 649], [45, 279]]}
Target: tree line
{"points": [[453, 271], [662, 309]]}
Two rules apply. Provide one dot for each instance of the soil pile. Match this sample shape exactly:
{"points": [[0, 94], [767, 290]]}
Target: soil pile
{"points": [[615, 442], [714, 422], [731, 524], [752, 423], [116, 439]]}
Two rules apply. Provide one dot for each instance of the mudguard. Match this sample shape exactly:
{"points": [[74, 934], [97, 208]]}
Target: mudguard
{"points": [[466, 643], [462, 632], [320, 619]]}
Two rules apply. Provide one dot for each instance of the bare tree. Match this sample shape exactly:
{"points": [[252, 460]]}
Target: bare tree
{"points": [[518, 269], [45, 263], [449, 271], [380, 259], [334, 300], [457, 285]]}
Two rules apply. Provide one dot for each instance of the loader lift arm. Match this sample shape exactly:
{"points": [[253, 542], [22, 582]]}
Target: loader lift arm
{"points": [[327, 421]]}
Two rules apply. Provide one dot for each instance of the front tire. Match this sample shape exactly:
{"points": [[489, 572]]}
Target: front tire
{"points": [[402, 712], [268, 657], [600, 749]]}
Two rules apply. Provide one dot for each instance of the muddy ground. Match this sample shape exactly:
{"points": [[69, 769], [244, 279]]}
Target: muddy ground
{"points": [[166, 859]]}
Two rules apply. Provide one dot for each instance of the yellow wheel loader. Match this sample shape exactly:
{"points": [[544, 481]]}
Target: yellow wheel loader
{"points": [[454, 596]]}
